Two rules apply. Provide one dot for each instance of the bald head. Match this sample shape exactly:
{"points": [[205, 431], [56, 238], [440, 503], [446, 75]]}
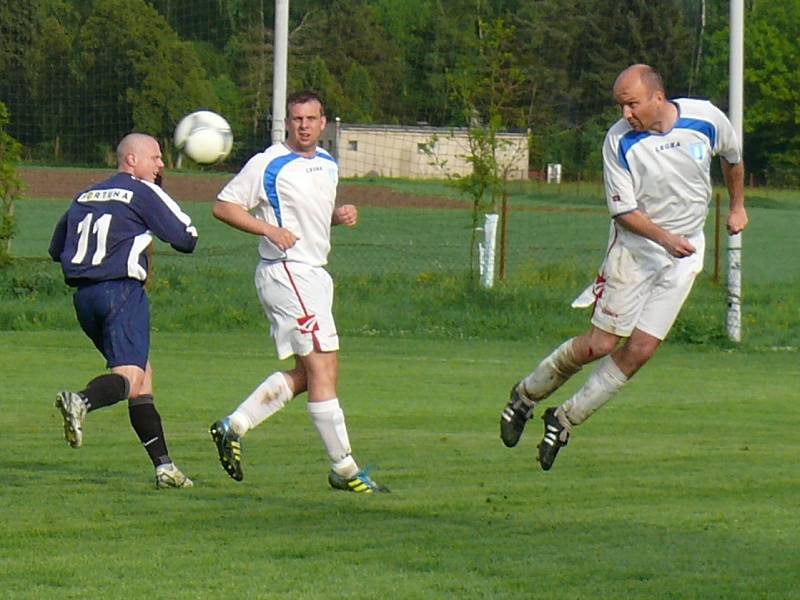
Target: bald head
{"points": [[139, 155], [641, 73], [639, 92]]}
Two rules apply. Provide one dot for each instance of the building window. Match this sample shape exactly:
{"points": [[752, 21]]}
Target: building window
{"points": [[353, 145]]}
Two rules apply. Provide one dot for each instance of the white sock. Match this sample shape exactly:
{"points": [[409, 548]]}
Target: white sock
{"points": [[606, 381], [329, 421], [551, 374], [267, 399]]}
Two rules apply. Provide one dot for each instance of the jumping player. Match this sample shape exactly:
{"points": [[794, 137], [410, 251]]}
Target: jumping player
{"points": [[291, 187], [656, 162], [101, 243]]}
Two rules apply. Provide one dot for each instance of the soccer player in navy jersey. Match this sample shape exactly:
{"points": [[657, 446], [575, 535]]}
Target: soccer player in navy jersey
{"points": [[291, 187], [101, 243], [656, 168]]}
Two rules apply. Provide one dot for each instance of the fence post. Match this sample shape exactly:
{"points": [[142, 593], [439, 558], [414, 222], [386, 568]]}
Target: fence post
{"points": [[717, 219], [503, 236]]}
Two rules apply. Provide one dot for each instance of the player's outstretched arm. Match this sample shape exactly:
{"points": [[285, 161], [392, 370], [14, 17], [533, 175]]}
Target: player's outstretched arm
{"points": [[734, 180]]}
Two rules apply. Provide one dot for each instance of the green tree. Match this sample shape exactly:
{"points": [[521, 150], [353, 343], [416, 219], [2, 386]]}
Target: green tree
{"points": [[19, 24], [250, 52], [571, 52], [771, 88], [10, 186], [49, 59], [136, 73], [486, 86], [356, 50]]}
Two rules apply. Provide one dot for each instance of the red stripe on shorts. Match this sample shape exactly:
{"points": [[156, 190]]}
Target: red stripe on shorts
{"points": [[306, 314]]}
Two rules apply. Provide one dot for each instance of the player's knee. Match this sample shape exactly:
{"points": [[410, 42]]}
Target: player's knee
{"points": [[601, 345], [638, 352]]}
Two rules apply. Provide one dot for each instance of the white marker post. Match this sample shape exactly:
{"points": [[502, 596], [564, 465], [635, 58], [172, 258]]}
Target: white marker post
{"points": [[488, 250]]}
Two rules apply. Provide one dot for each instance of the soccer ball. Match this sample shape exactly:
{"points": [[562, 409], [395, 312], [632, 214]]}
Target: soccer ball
{"points": [[204, 136]]}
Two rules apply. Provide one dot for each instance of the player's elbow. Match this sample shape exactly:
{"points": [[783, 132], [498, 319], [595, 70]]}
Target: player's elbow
{"points": [[186, 246], [223, 210], [188, 243]]}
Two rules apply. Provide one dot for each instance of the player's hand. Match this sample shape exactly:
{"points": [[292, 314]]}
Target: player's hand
{"points": [[282, 238], [678, 246], [346, 215], [737, 221]]}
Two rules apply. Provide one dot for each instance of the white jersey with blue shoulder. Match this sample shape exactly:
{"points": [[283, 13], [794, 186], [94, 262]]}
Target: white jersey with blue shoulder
{"points": [[667, 176], [288, 190]]}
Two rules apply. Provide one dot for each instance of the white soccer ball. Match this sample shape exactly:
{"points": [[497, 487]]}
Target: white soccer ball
{"points": [[204, 136]]}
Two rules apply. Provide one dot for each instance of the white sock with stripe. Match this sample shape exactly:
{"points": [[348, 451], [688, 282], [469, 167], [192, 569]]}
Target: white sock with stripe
{"points": [[267, 399], [329, 420]]}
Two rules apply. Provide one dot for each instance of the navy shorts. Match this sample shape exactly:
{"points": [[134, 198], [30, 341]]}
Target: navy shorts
{"points": [[116, 317]]}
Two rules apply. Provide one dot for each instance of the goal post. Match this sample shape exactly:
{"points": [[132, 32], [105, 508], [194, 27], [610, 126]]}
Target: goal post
{"points": [[736, 97]]}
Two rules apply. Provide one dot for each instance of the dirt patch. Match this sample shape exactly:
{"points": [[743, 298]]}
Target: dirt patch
{"points": [[65, 183]]}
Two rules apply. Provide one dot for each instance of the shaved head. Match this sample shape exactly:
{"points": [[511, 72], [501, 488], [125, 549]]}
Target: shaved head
{"points": [[645, 74], [139, 154], [133, 143]]}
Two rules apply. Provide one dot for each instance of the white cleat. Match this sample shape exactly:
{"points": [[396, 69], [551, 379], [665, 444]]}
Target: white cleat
{"points": [[73, 410], [170, 476]]}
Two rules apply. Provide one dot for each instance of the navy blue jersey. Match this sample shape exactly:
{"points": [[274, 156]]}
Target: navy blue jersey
{"points": [[106, 230]]}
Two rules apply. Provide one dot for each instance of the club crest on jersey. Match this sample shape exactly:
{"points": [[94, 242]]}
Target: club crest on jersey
{"points": [[698, 152], [308, 324]]}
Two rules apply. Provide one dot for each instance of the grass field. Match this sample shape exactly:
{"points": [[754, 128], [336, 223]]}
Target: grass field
{"points": [[402, 272], [683, 487]]}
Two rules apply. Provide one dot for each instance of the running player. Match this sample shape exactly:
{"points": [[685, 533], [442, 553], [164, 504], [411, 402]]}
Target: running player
{"points": [[291, 187], [101, 243], [656, 162]]}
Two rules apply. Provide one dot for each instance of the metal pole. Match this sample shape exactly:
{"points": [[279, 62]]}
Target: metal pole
{"points": [[279, 68], [736, 101]]}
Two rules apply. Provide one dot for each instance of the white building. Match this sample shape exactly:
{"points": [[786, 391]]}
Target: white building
{"points": [[415, 152]]}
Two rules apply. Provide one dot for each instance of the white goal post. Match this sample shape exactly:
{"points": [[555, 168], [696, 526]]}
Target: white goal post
{"points": [[736, 99]]}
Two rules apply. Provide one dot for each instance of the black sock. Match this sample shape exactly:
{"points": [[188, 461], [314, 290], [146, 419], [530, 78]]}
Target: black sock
{"points": [[105, 390], [147, 424]]}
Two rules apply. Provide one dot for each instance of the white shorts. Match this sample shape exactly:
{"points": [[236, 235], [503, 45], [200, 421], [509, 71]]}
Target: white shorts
{"points": [[641, 286], [298, 301]]}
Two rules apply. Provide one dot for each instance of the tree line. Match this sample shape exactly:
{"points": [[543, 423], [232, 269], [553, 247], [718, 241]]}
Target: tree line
{"points": [[78, 74]]}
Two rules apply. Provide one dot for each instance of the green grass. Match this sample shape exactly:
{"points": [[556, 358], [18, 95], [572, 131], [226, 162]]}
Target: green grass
{"points": [[404, 272], [683, 487]]}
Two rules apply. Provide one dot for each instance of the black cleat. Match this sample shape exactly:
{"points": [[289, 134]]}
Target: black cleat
{"points": [[556, 435], [514, 417], [229, 448]]}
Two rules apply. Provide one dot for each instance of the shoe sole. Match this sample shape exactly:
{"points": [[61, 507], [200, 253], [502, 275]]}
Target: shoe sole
{"points": [[73, 433], [229, 463]]}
